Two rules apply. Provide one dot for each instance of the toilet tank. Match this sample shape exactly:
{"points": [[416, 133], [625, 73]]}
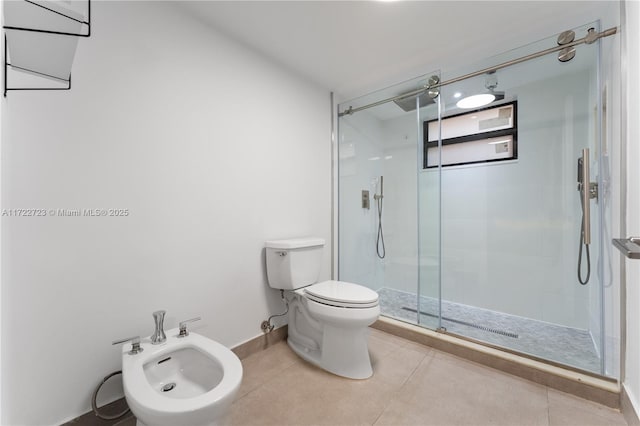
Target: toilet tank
{"points": [[294, 263]]}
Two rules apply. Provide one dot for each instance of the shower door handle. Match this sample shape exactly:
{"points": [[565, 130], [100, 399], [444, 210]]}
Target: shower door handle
{"points": [[585, 195]]}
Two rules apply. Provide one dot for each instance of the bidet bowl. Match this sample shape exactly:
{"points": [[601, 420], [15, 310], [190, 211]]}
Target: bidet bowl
{"points": [[185, 381]]}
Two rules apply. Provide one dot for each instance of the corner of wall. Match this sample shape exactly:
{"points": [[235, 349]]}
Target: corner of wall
{"points": [[628, 408]]}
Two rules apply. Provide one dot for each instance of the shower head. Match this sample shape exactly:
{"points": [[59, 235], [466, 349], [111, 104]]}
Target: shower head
{"points": [[409, 103]]}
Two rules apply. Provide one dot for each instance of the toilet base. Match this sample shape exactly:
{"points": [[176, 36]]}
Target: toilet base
{"points": [[344, 352], [216, 422]]}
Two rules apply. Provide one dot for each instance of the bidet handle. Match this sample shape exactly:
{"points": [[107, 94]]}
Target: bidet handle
{"points": [[135, 344], [183, 326]]}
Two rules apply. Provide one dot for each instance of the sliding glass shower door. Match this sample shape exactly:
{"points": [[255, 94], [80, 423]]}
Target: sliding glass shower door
{"points": [[378, 165], [469, 209], [516, 270]]}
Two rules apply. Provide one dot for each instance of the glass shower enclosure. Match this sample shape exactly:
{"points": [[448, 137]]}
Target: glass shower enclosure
{"points": [[468, 218]]}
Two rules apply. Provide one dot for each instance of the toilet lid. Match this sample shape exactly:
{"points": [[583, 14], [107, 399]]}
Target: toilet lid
{"points": [[341, 293]]}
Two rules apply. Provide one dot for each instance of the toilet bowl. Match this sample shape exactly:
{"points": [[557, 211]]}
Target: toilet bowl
{"points": [[328, 321], [190, 380]]}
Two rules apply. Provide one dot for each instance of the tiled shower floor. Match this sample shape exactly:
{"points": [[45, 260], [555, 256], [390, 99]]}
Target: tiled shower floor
{"points": [[565, 345]]}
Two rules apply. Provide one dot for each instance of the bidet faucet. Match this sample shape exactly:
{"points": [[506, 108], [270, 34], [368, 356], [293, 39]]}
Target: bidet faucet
{"points": [[135, 344], [183, 326], [158, 336]]}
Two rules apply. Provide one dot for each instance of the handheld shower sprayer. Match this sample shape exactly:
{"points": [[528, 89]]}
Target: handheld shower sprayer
{"points": [[380, 249], [587, 190]]}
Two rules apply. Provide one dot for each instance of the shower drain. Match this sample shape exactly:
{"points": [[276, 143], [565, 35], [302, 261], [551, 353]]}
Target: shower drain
{"points": [[469, 324], [168, 387]]}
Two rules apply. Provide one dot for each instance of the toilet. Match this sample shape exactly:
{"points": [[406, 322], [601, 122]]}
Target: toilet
{"points": [[328, 321]]}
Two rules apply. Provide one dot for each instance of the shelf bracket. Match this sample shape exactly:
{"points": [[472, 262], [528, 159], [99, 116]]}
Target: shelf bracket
{"points": [[87, 23], [6, 68]]}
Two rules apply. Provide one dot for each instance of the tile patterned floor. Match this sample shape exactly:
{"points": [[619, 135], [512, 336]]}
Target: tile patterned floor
{"points": [[565, 345], [412, 385]]}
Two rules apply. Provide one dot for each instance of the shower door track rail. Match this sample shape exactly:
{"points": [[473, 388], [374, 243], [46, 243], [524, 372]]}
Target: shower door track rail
{"points": [[590, 38]]}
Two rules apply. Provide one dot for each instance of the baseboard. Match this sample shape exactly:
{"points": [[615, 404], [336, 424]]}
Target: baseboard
{"points": [[602, 391], [260, 343], [242, 351], [90, 419], [627, 408]]}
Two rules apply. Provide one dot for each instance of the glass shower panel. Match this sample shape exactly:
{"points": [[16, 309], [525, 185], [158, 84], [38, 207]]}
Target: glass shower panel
{"points": [[429, 289], [379, 154], [511, 210]]}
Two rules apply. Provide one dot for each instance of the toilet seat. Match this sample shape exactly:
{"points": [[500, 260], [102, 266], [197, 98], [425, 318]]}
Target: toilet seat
{"points": [[341, 294]]}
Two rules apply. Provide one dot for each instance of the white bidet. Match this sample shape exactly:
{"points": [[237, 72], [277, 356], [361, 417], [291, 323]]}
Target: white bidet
{"points": [[188, 380]]}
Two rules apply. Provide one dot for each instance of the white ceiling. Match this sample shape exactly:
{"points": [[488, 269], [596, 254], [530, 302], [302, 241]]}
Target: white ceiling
{"points": [[353, 47]]}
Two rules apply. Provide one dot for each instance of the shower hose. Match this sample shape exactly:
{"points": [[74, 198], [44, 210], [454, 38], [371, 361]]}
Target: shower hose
{"points": [[586, 248], [380, 249]]}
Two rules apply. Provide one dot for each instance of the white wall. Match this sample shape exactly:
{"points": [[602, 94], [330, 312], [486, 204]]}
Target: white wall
{"points": [[631, 32], [211, 147]]}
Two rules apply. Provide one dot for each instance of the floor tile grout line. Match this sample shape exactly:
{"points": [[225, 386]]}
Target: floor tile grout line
{"points": [[428, 354], [272, 377], [396, 348]]}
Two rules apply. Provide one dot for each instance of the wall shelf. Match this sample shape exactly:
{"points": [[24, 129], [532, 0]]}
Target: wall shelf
{"points": [[629, 247], [45, 49]]}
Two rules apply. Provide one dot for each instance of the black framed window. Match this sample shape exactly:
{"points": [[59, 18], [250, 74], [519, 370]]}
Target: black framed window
{"points": [[483, 135]]}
